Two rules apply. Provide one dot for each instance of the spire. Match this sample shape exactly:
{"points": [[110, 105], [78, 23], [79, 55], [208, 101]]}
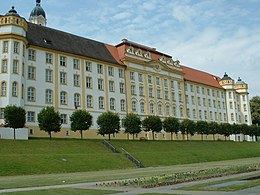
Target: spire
{"points": [[38, 15], [38, 2]]}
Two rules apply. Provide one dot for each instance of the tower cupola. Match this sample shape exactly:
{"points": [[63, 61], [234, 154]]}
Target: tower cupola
{"points": [[38, 15], [226, 80]]}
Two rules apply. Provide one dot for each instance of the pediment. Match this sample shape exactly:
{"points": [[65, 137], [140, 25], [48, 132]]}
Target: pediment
{"points": [[158, 65]]}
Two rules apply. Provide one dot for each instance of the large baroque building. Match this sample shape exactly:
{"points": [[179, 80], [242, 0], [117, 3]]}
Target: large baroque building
{"points": [[41, 67]]}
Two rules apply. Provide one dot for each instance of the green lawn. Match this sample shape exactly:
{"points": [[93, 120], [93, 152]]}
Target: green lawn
{"points": [[158, 153], [42, 156]]}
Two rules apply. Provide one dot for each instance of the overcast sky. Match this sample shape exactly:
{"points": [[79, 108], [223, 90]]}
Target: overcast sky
{"points": [[215, 36]]}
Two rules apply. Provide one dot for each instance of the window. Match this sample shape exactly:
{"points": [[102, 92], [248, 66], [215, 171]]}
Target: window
{"points": [[133, 90], [140, 77], [76, 64], [77, 100], [203, 90], [208, 91], [204, 102], [112, 104], [22, 91], [222, 94], [30, 116], [198, 90], [49, 58], [132, 76], [245, 108], [88, 66], [122, 105], [194, 113], [88, 82], [166, 95], [31, 72], [173, 97], [63, 78], [180, 97], [200, 114], [122, 87], [205, 115], [199, 102], [159, 94], [191, 88], [101, 103], [100, 68], [142, 107], [165, 83], [213, 93], [188, 112], [4, 66], [5, 47], [244, 98], [100, 84], [31, 94], [48, 96], [121, 73], [167, 110], [76, 80], [48, 75], [23, 50], [14, 89], [110, 71], [149, 79], [186, 87], [209, 102], [89, 101], [214, 103], [174, 111], [232, 117], [63, 98], [31, 54], [218, 94], [246, 118], [179, 85], [231, 105], [157, 81], [181, 111], [141, 91], [111, 86], [160, 109], [230, 95], [63, 118], [220, 117], [63, 60], [16, 47], [134, 106], [193, 100], [210, 115], [219, 105], [172, 84], [150, 92], [2, 113], [151, 108]]}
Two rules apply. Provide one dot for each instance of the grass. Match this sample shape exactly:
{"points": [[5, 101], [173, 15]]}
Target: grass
{"points": [[163, 153], [42, 156], [64, 191], [234, 187]]}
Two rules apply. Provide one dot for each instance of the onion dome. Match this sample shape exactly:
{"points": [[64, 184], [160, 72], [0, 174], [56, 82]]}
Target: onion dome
{"points": [[38, 11], [12, 12], [226, 77], [240, 82]]}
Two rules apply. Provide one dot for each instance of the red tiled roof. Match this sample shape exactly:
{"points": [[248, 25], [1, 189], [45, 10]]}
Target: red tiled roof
{"points": [[201, 77]]}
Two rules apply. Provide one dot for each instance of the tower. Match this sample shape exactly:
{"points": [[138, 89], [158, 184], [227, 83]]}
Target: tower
{"points": [[38, 15]]}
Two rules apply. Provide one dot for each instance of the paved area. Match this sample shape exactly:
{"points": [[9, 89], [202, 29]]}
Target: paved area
{"points": [[172, 189]]}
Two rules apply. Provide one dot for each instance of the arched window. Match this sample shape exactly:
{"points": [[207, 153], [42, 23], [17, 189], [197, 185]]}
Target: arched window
{"points": [[31, 94], [134, 106], [14, 89], [142, 107], [48, 96], [167, 110], [76, 100], [160, 109], [3, 88], [112, 104], [151, 108], [101, 103], [63, 98], [122, 105], [174, 111], [89, 101]]}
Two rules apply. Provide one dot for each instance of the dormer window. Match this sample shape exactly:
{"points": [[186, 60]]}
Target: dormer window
{"points": [[170, 61], [147, 55], [130, 50], [163, 59], [177, 63], [138, 52]]}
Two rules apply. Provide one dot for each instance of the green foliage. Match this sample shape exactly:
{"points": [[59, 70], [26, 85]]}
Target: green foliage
{"points": [[49, 120], [202, 127], [188, 127], [152, 123], [132, 124], [171, 125], [255, 109], [81, 120], [225, 129], [109, 123], [213, 128], [15, 117]]}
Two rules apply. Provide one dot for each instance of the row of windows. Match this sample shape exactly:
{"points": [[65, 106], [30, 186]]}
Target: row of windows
{"points": [[16, 47], [3, 92], [15, 66], [202, 90], [207, 115], [204, 102]]}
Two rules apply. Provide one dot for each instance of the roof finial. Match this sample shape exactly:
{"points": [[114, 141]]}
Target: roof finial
{"points": [[38, 2]]}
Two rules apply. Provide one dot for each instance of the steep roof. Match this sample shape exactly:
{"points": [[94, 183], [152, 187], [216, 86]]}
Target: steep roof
{"points": [[61, 41], [201, 77]]}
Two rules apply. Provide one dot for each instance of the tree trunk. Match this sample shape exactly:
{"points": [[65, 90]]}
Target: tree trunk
{"points": [[171, 135], [225, 138], [81, 134], [133, 136], [153, 136], [202, 137], [214, 137], [109, 136], [128, 136], [187, 137], [256, 138], [183, 136], [14, 134], [50, 135]]}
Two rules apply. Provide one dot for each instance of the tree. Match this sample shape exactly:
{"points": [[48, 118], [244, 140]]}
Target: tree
{"points": [[109, 123], [225, 129], [171, 125], [152, 123], [132, 124], [81, 120], [255, 110], [49, 120], [14, 117], [213, 129], [202, 128], [244, 128], [187, 127]]}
